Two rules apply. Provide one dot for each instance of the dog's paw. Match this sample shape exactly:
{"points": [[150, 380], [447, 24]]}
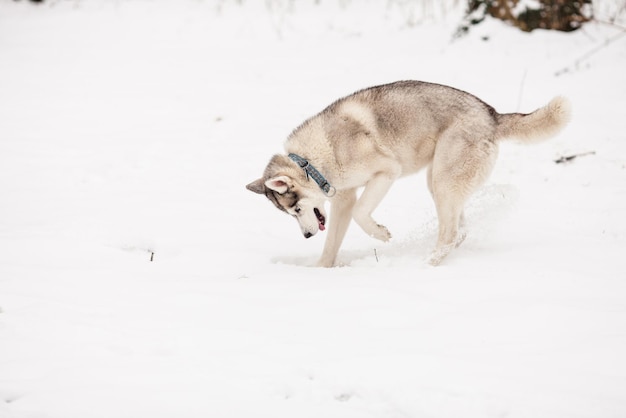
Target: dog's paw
{"points": [[325, 263], [437, 256], [381, 233], [460, 238], [439, 253]]}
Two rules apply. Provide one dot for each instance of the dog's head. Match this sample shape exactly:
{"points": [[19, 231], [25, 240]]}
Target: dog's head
{"points": [[290, 190]]}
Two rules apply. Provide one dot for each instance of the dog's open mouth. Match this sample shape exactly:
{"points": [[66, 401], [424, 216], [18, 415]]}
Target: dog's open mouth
{"points": [[321, 220]]}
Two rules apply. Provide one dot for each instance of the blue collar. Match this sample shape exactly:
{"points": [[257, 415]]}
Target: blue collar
{"points": [[314, 174]]}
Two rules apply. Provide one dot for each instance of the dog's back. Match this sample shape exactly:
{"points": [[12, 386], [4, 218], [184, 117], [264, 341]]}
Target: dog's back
{"points": [[402, 120], [431, 107]]}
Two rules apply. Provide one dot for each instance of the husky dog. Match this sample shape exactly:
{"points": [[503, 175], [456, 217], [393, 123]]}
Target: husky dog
{"points": [[376, 135]]}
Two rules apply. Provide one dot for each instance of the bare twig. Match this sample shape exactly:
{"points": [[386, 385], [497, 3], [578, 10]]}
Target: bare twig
{"points": [[568, 158], [593, 51]]}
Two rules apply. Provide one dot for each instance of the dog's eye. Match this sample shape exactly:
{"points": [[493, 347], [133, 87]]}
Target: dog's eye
{"points": [[297, 209]]}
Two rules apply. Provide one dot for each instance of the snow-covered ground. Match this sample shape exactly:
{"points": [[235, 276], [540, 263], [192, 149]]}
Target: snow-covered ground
{"points": [[128, 130]]}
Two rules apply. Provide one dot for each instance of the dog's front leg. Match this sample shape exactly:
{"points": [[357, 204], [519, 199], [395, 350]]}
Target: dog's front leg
{"points": [[374, 192], [340, 215]]}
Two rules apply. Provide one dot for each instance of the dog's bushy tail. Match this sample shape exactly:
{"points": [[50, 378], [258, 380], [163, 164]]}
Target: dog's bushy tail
{"points": [[537, 126]]}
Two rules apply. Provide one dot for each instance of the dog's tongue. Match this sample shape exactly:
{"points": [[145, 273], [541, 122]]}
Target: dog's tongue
{"points": [[320, 219]]}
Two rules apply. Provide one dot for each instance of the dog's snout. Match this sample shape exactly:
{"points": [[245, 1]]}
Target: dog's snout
{"points": [[307, 235]]}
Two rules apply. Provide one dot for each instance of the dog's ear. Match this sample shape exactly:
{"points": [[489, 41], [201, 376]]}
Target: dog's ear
{"points": [[279, 184], [257, 186]]}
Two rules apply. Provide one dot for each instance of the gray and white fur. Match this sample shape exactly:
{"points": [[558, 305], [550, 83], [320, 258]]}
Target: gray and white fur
{"points": [[376, 135]]}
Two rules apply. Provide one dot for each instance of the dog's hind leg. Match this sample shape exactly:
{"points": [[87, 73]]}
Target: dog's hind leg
{"points": [[449, 212], [459, 167], [429, 183], [340, 215]]}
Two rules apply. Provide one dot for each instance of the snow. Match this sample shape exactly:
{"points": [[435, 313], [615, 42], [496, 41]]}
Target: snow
{"points": [[129, 130]]}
